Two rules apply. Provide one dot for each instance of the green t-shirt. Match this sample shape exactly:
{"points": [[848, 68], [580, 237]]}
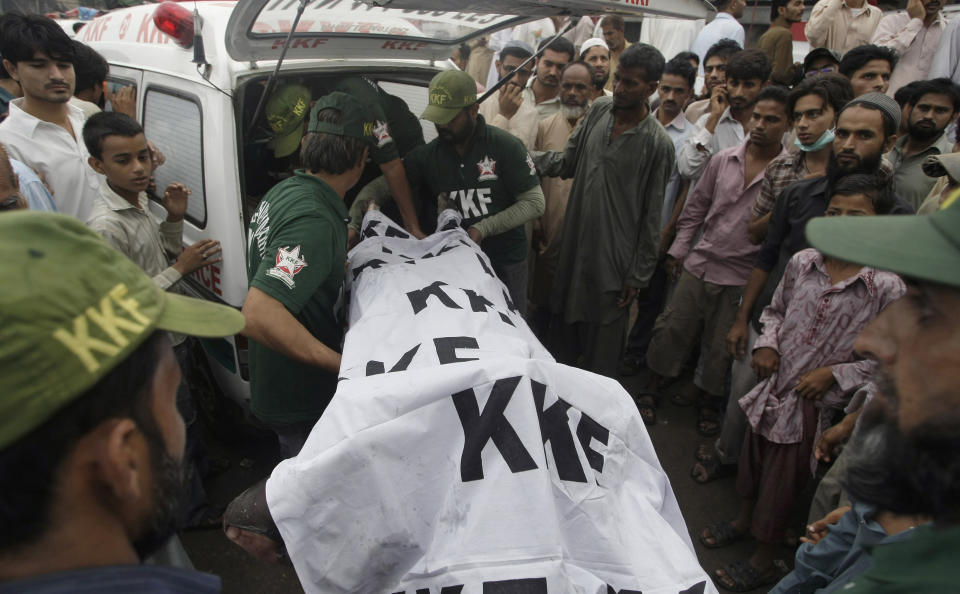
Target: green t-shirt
{"points": [[495, 169], [296, 254], [925, 563], [397, 131]]}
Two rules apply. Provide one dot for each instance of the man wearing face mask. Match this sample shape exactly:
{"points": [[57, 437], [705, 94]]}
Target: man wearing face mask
{"points": [[813, 106], [91, 442], [933, 106]]}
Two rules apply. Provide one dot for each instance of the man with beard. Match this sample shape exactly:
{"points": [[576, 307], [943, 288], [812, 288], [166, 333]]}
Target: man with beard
{"points": [[915, 35], [91, 442], [596, 53], [865, 130], [620, 158], [576, 89], [544, 91], [508, 109], [731, 107], [934, 104], [905, 457], [485, 172], [714, 75], [676, 88]]}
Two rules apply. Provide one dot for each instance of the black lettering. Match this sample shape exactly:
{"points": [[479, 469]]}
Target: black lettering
{"points": [[394, 232], [612, 590], [506, 319], [510, 305], [447, 348], [450, 225], [373, 264], [478, 303], [443, 590], [525, 586], [369, 229], [386, 250], [587, 428], [485, 267], [418, 299], [446, 249], [696, 588], [377, 367], [479, 428], [555, 429]]}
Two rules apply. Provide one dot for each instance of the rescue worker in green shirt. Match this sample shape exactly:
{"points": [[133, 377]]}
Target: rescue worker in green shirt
{"points": [[485, 172], [296, 258]]}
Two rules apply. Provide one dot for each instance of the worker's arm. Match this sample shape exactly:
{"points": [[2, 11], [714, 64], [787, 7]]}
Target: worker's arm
{"points": [[272, 325], [400, 188], [528, 206]]}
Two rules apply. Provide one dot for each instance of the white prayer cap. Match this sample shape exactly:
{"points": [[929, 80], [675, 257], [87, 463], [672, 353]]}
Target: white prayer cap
{"points": [[593, 42]]}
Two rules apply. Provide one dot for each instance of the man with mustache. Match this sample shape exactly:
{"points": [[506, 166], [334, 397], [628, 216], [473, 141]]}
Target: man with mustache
{"points": [[595, 52], [915, 35], [933, 106], [714, 74], [544, 91], [576, 90], [508, 109], [731, 107], [905, 456], [620, 160], [91, 441], [43, 130]]}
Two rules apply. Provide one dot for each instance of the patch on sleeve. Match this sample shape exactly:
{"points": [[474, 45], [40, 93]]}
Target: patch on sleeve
{"points": [[289, 263], [533, 168], [381, 131]]}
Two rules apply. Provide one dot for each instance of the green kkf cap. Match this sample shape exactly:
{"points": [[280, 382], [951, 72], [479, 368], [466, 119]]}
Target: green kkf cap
{"points": [[286, 109], [450, 91], [355, 119], [922, 247], [71, 309]]}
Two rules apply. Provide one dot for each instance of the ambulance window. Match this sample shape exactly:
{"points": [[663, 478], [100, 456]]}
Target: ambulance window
{"points": [[172, 122]]}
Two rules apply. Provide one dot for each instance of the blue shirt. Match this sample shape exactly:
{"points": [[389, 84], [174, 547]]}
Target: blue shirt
{"points": [[143, 579], [32, 189]]}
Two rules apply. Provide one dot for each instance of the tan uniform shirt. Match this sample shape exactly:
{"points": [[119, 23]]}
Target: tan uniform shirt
{"points": [[833, 26]]}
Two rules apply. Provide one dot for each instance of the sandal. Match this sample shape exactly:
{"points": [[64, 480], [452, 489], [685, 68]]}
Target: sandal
{"points": [[744, 578], [723, 534], [705, 453], [709, 420], [248, 513], [647, 403], [686, 395], [711, 470]]}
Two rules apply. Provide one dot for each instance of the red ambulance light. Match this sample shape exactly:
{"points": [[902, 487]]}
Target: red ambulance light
{"points": [[176, 21]]}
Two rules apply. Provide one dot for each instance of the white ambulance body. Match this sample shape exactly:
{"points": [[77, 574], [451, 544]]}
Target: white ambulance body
{"points": [[199, 80]]}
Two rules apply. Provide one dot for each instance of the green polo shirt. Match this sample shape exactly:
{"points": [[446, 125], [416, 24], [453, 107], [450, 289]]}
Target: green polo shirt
{"points": [[396, 130], [296, 254], [493, 171], [925, 563]]}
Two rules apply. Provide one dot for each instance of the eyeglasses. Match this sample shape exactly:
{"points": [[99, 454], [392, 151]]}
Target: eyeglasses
{"points": [[824, 70]]}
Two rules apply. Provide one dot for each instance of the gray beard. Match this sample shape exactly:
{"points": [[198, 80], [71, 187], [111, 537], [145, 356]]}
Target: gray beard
{"points": [[573, 113]]}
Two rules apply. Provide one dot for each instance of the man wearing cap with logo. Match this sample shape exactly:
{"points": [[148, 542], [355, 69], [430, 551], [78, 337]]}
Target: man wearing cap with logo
{"points": [[295, 264], [486, 174], [905, 455], [91, 442]]}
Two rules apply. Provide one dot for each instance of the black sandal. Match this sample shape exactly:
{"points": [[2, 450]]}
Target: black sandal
{"points": [[723, 534], [712, 470], [647, 403], [709, 418], [744, 578]]}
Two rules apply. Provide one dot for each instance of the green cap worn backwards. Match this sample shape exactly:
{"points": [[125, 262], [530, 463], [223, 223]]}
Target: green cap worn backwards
{"points": [[450, 91], [71, 309], [355, 119], [286, 109], [921, 247]]}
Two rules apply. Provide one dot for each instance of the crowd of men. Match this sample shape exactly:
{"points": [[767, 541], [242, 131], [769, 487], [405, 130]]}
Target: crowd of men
{"points": [[599, 180]]}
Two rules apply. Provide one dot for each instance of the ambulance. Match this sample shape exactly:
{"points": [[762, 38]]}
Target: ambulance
{"points": [[200, 71]]}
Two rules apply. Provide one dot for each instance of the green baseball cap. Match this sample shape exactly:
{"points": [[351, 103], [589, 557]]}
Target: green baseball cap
{"points": [[450, 91], [286, 109], [71, 309], [356, 120], [922, 247]]}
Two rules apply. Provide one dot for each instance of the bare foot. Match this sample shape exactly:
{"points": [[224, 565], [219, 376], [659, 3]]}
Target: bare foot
{"points": [[258, 546]]}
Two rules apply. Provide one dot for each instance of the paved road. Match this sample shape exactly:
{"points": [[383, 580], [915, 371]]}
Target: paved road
{"points": [[674, 437]]}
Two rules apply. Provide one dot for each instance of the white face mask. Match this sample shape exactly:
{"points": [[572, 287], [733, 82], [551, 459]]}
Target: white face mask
{"points": [[825, 139]]}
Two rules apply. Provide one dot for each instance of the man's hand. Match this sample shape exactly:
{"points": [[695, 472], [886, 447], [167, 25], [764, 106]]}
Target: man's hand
{"points": [[203, 253], [737, 338], [673, 266], [124, 101], [156, 157], [916, 10], [831, 438], [511, 97], [475, 235], [627, 295], [817, 530], [175, 201], [814, 384], [766, 362], [718, 101], [413, 228], [666, 240]]}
